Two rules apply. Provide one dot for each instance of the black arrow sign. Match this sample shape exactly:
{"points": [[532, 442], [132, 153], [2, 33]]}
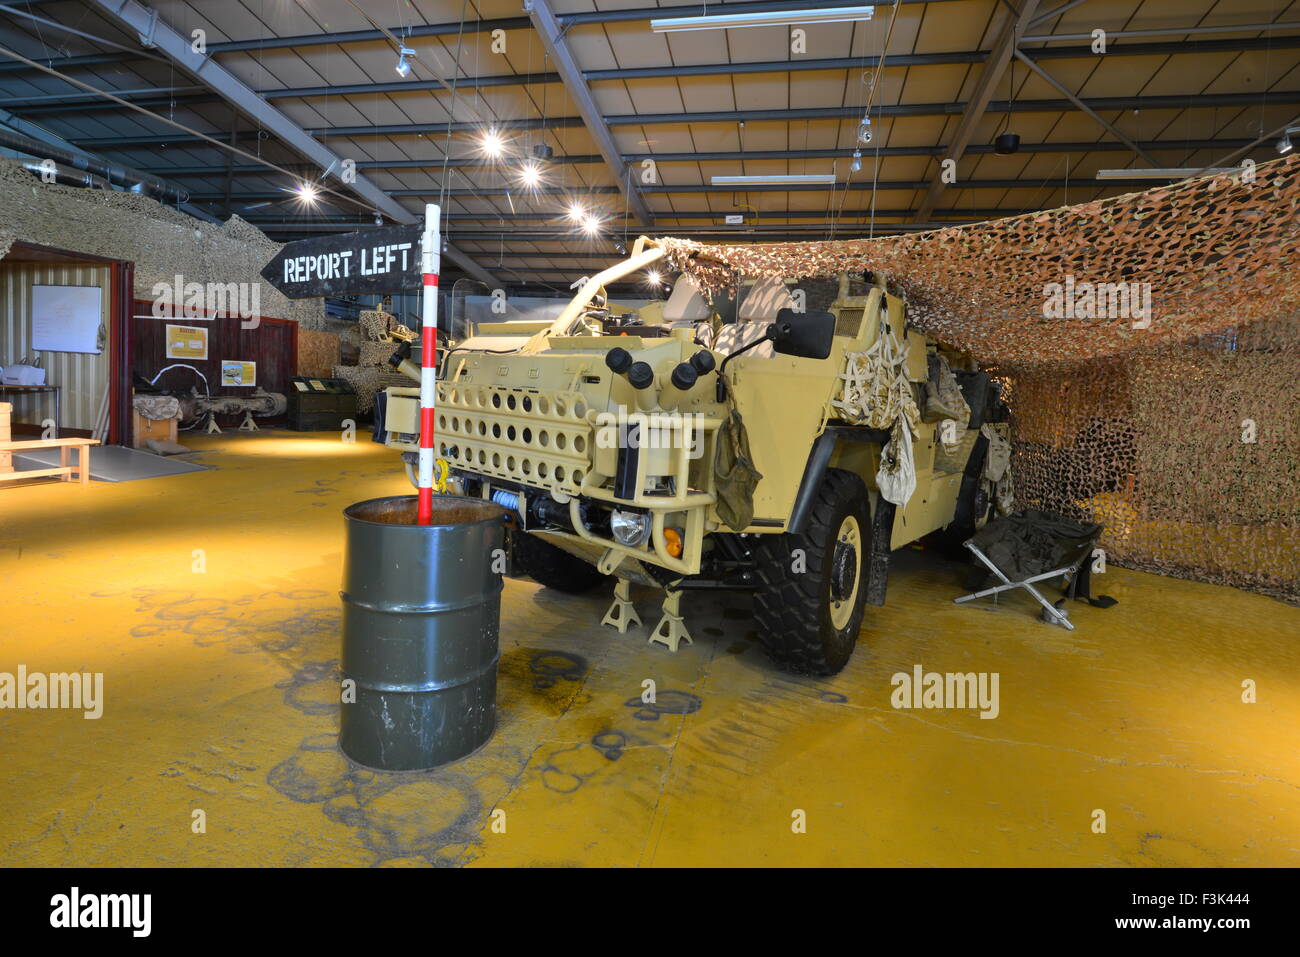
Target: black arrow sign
{"points": [[374, 260]]}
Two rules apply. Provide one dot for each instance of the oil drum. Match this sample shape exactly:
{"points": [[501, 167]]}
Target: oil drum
{"points": [[421, 614]]}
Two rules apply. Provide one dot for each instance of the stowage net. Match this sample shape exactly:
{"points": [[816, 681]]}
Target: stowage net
{"points": [[1148, 346]]}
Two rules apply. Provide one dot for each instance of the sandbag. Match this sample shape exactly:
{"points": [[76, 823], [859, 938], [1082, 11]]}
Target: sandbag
{"points": [[896, 477]]}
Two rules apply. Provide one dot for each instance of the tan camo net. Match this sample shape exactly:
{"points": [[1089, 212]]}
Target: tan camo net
{"points": [[1166, 404]]}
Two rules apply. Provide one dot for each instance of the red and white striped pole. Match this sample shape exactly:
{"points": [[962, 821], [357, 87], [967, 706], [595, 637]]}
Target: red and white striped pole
{"points": [[431, 258]]}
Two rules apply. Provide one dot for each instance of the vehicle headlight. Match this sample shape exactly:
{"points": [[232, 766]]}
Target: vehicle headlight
{"points": [[629, 528]]}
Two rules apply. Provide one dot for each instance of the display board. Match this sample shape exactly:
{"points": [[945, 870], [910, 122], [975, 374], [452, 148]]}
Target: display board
{"points": [[236, 372], [67, 319], [187, 342]]}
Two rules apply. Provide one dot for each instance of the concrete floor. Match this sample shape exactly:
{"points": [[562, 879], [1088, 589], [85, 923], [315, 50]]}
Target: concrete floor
{"points": [[220, 688]]}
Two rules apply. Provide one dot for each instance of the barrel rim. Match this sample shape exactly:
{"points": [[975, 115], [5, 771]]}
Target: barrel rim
{"points": [[500, 517]]}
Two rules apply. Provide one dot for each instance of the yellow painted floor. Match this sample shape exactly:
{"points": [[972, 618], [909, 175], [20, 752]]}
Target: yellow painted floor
{"points": [[220, 685]]}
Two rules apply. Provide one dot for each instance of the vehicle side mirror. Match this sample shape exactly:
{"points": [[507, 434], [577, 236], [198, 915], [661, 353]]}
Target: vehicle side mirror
{"points": [[806, 335]]}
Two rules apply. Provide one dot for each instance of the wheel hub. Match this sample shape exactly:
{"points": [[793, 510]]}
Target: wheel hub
{"points": [[844, 570]]}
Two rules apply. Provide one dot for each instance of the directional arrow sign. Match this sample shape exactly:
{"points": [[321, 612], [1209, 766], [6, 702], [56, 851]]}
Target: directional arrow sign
{"points": [[374, 260]]}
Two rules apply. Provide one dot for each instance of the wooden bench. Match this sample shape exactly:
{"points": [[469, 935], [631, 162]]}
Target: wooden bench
{"points": [[66, 469]]}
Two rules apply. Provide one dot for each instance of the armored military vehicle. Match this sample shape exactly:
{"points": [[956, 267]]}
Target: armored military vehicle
{"points": [[731, 445]]}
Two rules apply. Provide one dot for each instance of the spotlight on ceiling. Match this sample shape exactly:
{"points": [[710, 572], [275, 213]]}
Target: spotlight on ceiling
{"points": [[492, 144], [543, 152], [403, 62], [530, 174], [379, 219], [1006, 144], [653, 278], [591, 225], [856, 165], [306, 193], [577, 212], [864, 131], [620, 248], [775, 18], [1284, 145]]}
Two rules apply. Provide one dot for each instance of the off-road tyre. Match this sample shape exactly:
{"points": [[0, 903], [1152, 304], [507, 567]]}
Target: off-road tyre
{"points": [[801, 625], [553, 567]]}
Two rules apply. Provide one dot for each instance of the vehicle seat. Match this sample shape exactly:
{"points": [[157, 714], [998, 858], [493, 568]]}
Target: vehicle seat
{"points": [[687, 308], [758, 309]]}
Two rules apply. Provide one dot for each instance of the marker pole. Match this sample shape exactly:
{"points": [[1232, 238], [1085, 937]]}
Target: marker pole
{"points": [[431, 258]]}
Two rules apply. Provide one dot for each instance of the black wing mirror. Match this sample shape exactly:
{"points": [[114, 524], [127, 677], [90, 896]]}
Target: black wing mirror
{"points": [[808, 335]]}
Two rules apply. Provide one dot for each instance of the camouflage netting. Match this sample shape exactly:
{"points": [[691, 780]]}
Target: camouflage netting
{"points": [[162, 242], [380, 334], [1175, 425]]}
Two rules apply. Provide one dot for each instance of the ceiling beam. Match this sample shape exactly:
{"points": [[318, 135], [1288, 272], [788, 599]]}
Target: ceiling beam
{"points": [[1084, 182], [551, 34], [155, 32], [1108, 127], [1065, 105], [475, 162], [88, 102], [567, 232], [1013, 25]]}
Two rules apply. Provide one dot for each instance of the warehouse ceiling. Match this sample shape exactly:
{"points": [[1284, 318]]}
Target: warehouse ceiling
{"points": [[638, 122]]}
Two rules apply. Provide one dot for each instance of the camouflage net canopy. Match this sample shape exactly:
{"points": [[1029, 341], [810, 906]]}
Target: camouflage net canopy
{"points": [[1149, 348], [162, 242]]}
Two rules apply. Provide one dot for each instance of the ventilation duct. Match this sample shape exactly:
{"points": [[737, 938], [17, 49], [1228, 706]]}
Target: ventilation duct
{"points": [[101, 174]]}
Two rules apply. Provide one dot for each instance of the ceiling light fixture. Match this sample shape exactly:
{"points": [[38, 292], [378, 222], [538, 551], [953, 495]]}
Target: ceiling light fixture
{"points": [[653, 278], [801, 179], [1007, 142], [306, 193], [1284, 145], [775, 18], [530, 174], [591, 225], [403, 63], [856, 165], [492, 143], [864, 131], [577, 212], [1169, 173]]}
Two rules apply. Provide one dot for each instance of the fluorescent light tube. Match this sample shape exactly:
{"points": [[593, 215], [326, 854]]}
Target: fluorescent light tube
{"points": [[733, 21], [817, 179], [1180, 173]]}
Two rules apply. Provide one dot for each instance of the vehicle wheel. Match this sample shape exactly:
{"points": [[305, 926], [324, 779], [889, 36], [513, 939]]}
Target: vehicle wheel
{"points": [[812, 587], [553, 567], [950, 539]]}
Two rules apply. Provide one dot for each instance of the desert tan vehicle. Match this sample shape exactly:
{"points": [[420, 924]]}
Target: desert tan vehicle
{"points": [[702, 454]]}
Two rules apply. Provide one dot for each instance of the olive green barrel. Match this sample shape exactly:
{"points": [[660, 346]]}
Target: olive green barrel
{"points": [[421, 612]]}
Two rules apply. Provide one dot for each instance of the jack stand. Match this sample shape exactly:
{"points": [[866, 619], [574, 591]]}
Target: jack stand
{"points": [[671, 630], [213, 428], [248, 425], [622, 614]]}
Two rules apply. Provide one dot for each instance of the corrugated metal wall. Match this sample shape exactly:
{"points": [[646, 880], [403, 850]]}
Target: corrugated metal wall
{"points": [[83, 377]]}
